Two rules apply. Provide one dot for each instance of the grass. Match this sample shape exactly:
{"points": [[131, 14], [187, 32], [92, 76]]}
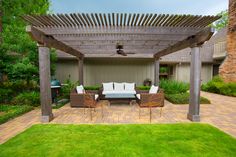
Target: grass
{"points": [[9, 111], [183, 98], [190, 140]]}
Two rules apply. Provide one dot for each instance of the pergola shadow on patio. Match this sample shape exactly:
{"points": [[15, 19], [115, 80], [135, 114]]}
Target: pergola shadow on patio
{"points": [[96, 35]]}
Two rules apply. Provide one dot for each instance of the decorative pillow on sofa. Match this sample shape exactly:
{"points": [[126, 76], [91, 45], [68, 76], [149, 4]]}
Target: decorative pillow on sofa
{"points": [[129, 86], [80, 89], [153, 89], [119, 86], [108, 86]]}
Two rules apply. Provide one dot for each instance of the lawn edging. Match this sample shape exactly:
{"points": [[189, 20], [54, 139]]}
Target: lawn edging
{"points": [[13, 111]]}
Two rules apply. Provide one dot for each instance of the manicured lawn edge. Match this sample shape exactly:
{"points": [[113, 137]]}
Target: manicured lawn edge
{"points": [[180, 139], [13, 111]]}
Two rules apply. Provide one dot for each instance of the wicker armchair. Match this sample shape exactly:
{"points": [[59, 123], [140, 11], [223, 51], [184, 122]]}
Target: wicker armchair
{"points": [[86, 100], [151, 101]]}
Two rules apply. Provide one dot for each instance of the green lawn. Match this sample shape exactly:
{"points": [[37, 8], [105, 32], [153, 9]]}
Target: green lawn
{"points": [[121, 140], [8, 112]]}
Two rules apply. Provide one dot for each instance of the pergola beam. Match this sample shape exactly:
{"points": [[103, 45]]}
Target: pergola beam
{"points": [[197, 39], [50, 41]]}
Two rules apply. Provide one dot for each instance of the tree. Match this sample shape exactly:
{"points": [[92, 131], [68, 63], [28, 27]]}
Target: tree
{"points": [[18, 49], [222, 22]]}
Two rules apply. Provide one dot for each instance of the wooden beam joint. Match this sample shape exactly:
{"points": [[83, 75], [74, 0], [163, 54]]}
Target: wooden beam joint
{"points": [[191, 41], [49, 41]]}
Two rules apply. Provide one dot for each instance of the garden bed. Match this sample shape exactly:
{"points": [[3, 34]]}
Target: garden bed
{"points": [[218, 86], [120, 140], [8, 112], [183, 98]]}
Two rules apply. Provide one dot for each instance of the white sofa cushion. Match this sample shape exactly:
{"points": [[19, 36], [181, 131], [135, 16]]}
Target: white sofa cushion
{"points": [[107, 92], [119, 86], [138, 96], [153, 89], [129, 86], [118, 92], [96, 96], [80, 89], [108, 86]]}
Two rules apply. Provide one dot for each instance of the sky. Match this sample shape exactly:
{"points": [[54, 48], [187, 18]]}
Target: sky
{"points": [[194, 7]]}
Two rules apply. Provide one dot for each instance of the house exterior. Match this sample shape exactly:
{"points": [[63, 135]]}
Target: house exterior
{"points": [[126, 69]]}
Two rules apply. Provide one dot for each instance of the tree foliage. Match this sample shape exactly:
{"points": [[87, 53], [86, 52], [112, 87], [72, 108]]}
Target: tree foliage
{"points": [[222, 22], [18, 52]]}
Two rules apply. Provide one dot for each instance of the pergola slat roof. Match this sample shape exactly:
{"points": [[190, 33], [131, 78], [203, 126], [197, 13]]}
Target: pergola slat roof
{"points": [[95, 19], [97, 33]]}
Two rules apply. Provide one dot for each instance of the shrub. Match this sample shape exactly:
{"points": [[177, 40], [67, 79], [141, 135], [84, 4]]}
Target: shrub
{"points": [[183, 98], [6, 95], [173, 87], [27, 98], [143, 87], [12, 111], [20, 85], [164, 69], [66, 89], [92, 87], [217, 85]]}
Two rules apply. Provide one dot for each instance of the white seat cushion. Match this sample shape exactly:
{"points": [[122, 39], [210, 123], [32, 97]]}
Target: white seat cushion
{"points": [[80, 89], [129, 92], [108, 92], [119, 86], [108, 86], [119, 92], [129, 86], [153, 89], [96, 96], [138, 96]]}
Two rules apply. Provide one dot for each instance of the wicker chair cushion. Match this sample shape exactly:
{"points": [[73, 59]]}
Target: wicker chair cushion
{"points": [[80, 89], [153, 89]]}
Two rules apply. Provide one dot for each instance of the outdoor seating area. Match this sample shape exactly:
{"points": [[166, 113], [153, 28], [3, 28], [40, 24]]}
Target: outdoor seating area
{"points": [[117, 93], [117, 78]]}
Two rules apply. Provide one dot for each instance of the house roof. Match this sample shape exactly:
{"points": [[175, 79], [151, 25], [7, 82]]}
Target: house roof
{"points": [[94, 35]]}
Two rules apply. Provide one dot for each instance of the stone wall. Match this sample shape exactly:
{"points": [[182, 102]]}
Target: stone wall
{"points": [[228, 68]]}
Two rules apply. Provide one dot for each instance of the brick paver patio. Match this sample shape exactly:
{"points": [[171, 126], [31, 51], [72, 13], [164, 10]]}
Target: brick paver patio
{"points": [[221, 113]]}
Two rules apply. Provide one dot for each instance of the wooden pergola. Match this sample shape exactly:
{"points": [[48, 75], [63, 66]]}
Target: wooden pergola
{"points": [[96, 35]]}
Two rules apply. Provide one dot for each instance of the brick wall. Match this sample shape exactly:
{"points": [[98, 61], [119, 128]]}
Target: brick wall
{"points": [[228, 67]]}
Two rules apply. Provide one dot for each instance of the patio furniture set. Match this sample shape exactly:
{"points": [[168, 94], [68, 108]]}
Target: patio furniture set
{"points": [[113, 93]]}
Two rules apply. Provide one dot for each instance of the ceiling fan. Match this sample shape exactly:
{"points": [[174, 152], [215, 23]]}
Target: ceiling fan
{"points": [[120, 51]]}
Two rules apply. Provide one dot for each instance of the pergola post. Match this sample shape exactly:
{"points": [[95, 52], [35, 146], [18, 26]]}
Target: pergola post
{"points": [[45, 88], [81, 70], [157, 72], [195, 84]]}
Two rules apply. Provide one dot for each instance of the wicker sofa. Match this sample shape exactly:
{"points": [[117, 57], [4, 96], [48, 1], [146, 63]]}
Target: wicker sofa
{"points": [[118, 92]]}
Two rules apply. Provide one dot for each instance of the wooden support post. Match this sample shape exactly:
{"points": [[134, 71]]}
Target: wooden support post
{"points": [[195, 84], [81, 70], [156, 72], [45, 88]]}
